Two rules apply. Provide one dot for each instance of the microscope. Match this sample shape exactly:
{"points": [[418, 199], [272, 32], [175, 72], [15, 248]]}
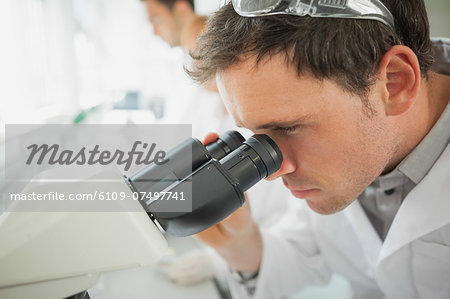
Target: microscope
{"points": [[84, 244]]}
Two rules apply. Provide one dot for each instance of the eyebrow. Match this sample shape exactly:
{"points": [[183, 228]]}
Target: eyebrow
{"points": [[283, 124]]}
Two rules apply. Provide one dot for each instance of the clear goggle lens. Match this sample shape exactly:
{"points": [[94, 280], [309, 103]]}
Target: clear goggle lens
{"points": [[353, 9]]}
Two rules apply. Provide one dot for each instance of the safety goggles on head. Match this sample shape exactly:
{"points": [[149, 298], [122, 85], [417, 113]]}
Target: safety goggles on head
{"points": [[353, 9]]}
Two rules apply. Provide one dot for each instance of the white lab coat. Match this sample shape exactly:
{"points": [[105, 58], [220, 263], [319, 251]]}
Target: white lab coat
{"points": [[413, 261]]}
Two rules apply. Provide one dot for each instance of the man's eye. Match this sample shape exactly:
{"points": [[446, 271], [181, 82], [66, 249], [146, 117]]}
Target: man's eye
{"points": [[288, 130]]}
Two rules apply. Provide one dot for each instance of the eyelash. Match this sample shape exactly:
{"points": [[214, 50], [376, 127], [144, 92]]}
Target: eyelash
{"points": [[288, 130]]}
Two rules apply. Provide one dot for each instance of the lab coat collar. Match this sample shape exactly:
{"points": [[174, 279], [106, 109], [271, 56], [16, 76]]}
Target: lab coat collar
{"points": [[370, 241], [425, 209]]}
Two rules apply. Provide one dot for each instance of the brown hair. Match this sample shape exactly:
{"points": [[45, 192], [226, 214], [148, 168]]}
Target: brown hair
{"points": [[171, 3], [345, 50]]}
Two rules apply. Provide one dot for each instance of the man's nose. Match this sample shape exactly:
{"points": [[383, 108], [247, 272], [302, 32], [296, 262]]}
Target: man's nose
{"points": [[287, 166]]}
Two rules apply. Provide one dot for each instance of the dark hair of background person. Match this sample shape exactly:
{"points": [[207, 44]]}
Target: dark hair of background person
{"points": [[345, 50], [170, 3]]}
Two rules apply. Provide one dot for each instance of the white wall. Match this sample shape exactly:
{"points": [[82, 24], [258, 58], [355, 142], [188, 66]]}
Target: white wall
{"points": [[206, 7]]}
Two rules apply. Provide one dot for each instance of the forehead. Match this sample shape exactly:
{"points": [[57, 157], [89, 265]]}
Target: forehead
{"points": [[155, 7], [270, 91]]}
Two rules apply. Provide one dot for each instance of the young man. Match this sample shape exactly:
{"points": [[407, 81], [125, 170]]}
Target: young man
{"points": [[346, 90], [176, 23]]}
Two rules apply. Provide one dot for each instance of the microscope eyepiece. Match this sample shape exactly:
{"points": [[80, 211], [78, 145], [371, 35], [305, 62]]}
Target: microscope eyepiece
{"points": [[268, 150], [225, 144]]}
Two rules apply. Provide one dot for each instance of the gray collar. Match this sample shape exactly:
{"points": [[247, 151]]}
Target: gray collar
{"points": [[419, 161], [417, 164]]}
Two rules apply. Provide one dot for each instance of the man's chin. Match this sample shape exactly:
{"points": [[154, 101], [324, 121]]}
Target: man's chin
{"points": [[326, 207]]}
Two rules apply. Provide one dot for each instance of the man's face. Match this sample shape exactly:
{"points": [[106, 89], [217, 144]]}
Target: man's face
{"points": [[165, 24], [332, 150]]}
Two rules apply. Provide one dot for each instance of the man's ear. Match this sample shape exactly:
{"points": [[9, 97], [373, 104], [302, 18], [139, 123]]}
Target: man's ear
{"points": [[400, 71]]}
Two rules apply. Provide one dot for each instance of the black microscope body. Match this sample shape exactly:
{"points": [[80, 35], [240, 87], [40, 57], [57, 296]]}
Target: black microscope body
{"points": [[217, 175]]}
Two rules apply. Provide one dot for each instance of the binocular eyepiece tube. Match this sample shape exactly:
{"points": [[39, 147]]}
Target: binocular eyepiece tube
{"points": [[257, 158], [219, 174]]}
